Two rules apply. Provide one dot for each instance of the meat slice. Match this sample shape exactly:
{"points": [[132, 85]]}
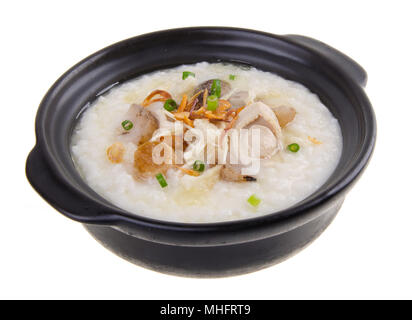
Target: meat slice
{"points": [[144, 125]]}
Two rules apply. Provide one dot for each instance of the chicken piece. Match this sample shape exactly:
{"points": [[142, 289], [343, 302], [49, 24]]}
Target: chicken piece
{"points": [[255, 111], [165, 119], [205, 143], [261, 115], [239, 98], [158, 111], [149, 123], [225, 88], [285, 115]]}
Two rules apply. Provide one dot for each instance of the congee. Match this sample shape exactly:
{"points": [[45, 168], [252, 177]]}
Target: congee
{"points": [[207, 142]]}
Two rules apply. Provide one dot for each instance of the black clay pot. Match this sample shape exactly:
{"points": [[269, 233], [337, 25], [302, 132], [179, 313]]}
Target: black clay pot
{"points": [[213, 249]]}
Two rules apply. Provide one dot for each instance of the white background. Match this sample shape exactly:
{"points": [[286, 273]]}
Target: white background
{"points": [[365, 253]]}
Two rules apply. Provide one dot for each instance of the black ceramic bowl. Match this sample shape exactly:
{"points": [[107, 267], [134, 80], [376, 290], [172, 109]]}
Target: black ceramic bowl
{"points": [[212, 249]]}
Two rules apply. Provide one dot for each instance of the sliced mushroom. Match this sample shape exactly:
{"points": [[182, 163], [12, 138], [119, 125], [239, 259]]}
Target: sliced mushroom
{"points": [[285, 115], [260, 114]]}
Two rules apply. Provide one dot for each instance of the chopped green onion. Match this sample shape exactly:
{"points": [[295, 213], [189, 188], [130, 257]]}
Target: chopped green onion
{"points": [[162, 180], [127, 125], [232, 77], [212, 102], [294, 147], [170, 105], [253, 200], [216, 88], [187, 74], [199, 166]]}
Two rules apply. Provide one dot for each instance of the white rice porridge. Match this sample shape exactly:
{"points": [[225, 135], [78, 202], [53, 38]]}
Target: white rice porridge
{"points": [[283, 180]]}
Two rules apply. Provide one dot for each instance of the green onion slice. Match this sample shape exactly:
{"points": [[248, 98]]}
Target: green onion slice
{"points": [[187, 74], [294, 147], [216, 88], [253, 200], [199, 166], [127, 125], [170, 105], [161, 179], [212, 102], [232, 77]]}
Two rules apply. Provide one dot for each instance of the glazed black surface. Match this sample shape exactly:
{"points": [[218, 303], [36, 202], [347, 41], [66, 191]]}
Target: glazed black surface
{"points": [[334, 77], [213, 261]]}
